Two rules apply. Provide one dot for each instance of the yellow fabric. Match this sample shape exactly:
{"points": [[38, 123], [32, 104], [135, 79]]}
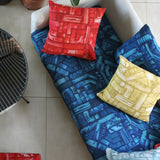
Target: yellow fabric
{"points": [[133, 90]]}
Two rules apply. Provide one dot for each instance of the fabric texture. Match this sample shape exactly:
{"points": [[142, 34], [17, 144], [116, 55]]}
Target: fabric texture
{"points": [[142, 50], [153, 154], [19, 156], [132, 90], [78, 81], [73, 31], [156, 146]]}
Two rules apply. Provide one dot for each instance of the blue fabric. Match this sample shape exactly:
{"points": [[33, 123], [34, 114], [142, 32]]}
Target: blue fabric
{"points": [[79, 80], [142, 50], [153, 154]]}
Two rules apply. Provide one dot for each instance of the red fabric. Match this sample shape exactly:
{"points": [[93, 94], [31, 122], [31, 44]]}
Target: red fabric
{"points": [[72, 31], [19, 156], [156, 146]]}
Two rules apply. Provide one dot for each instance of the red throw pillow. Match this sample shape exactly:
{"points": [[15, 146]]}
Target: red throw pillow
{"points": [[72, 31], [19, 156], [156, 146]]}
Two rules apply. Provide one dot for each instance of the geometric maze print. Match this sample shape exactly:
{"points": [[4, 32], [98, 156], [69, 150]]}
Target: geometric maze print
{"points": [[73, 31], [100, 124], [142, 50], [153, 154], [132, 90], [19, 156]]}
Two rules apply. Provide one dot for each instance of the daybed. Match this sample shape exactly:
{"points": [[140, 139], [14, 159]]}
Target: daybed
{"points": [[100, 125]]}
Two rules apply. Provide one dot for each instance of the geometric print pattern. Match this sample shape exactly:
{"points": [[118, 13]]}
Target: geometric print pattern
{"points": [[19, 156], [153, 154], [133, 90], [156, 146], [73, 31], [100, 124], [142, 50]]}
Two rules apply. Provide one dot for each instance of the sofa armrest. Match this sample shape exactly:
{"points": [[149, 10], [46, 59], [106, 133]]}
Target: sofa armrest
{"points": [[39, 18], [123, 18]]}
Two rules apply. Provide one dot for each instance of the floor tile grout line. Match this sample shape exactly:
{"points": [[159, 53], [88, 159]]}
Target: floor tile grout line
{"points": [[146, 2], [40, 97], [153, 2], [46, 82], [146, 9], [46, 143]]}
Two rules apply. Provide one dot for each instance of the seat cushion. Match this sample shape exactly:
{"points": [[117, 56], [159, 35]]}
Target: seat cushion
{"points": [[100, 124]]}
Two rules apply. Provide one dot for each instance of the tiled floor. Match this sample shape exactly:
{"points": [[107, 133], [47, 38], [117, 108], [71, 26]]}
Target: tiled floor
{"points": [[45, 125]]}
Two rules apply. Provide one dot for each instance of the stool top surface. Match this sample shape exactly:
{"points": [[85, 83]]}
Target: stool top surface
{"points": [[13, 70]]}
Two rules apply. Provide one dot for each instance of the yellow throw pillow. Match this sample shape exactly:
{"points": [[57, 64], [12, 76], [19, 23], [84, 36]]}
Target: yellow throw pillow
{"points": [[133, 90]]}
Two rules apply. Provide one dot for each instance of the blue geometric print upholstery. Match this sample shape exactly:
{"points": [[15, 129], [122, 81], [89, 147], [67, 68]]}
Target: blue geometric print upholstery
{"points": [[79, 80], [142, 50]]}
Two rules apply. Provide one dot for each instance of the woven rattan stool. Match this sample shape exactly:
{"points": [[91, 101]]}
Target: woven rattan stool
{"points": [[13, 71]]}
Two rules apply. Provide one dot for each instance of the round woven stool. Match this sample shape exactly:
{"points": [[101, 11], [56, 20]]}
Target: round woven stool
{"points": [[13, 71]]}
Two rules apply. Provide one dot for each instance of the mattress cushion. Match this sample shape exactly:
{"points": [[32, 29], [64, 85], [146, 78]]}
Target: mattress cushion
{"points": [[78, 81]]}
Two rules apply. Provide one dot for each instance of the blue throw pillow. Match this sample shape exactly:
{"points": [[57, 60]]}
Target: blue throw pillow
{"points": [[153, 154], [142, 50]]}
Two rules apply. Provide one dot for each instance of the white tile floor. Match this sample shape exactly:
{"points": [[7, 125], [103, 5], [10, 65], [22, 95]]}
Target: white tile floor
{"points": [[45, 125]]}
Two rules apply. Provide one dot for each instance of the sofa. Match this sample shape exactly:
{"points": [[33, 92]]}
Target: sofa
{"points": [[100, 125]]}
